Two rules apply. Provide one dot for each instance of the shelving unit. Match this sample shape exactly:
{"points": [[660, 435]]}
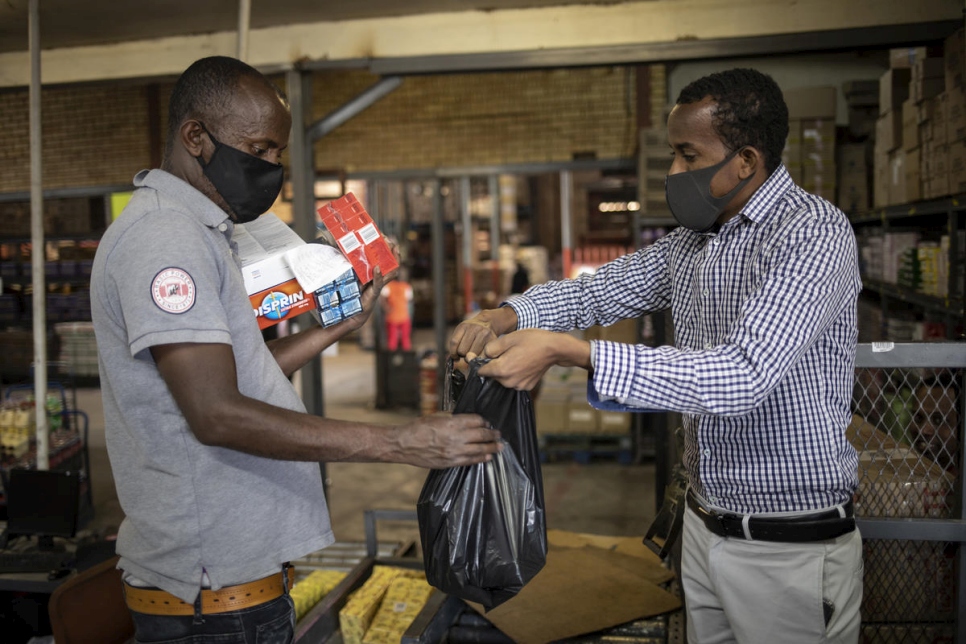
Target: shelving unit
{"points": [[945, 216], [74, 221]]}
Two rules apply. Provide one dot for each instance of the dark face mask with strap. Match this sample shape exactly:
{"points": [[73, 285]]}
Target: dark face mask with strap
{"points": [[689, 196], [248, 185]]}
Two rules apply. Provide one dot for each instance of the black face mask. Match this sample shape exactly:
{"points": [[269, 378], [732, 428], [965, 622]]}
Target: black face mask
{"points": [[689, 196], [248, 185]]}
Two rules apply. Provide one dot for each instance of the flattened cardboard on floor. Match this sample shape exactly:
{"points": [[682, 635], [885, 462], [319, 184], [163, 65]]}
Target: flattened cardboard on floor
{"points": [[579, 591]]}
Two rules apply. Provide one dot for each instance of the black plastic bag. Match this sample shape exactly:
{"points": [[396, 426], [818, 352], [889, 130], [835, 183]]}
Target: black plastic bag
{"points": [[482, 527]]}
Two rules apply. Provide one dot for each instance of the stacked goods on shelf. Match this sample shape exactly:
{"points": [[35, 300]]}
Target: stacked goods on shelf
{"points": [[889, 155], [78, 348], [905, 259], [809, 153], [919, 149], [17, 427], [938, 86], [854, 157]]}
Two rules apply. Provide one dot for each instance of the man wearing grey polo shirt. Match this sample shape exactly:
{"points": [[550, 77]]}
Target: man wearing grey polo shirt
{"points": [[214, 457]]}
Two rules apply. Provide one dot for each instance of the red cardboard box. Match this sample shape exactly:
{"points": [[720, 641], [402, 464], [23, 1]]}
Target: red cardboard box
{"points": [[358, 237]]}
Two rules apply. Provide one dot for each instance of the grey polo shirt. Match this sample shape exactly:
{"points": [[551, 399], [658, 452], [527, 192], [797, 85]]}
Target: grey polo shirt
{"points": [[165, 272]]}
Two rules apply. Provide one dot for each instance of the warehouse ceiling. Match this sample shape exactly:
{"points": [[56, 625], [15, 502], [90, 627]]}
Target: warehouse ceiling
{"points": [[72, 23]]}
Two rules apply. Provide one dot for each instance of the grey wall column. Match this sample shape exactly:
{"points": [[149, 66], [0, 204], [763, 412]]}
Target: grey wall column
{"points": [[439, 287], [38, 252], [244, 20], [299, 89]]}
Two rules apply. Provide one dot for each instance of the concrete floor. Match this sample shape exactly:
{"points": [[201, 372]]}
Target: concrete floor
{"points": [[601, 497]]}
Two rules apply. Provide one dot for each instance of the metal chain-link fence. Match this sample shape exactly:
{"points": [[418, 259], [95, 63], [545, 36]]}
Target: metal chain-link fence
{"points": [[908, 429]]}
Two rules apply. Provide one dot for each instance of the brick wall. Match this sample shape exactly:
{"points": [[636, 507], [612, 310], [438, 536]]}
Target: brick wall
{"points": [[95, 135], [479, 119], [92, 135]]}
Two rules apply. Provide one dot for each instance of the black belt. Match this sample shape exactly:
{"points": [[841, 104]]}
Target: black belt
{"points": [[820, 526]]}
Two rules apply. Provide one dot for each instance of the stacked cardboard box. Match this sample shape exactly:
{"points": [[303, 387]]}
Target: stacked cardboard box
{"points": [[920, 147], [809, 153], [854, 161], [943, 122], [889, 154]]}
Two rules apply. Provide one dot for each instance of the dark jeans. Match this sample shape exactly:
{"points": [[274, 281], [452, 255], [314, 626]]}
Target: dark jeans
{"points": [[269, 623]]}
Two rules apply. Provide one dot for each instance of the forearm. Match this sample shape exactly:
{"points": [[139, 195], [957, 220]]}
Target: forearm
{"points": [[250, 426]]}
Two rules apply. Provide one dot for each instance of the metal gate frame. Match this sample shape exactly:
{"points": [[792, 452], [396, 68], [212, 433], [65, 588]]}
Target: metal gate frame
{"points": [[948, 355]]}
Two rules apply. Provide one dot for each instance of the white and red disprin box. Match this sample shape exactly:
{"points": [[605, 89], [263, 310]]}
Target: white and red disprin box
{"points": [[358, 237]]}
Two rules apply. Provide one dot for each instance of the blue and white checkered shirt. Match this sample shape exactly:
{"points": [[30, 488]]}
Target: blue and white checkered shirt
{"points": [[765, 331]]}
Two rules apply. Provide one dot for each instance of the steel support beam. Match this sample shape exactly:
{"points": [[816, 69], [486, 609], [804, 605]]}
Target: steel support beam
{"points": [[877, 37], [353, 108], [38, 252], [299, 88]]}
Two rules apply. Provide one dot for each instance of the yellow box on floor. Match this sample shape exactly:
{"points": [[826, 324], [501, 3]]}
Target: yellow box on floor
{"points": [[308, 592], [359, 611], [403, 601]]}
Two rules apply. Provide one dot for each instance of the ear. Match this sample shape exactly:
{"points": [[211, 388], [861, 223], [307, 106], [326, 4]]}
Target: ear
{"points": [[751, 161], [192, 137]]}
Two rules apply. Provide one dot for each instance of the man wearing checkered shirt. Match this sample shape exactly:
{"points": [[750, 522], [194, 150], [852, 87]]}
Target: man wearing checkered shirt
{"points": [[761, 279]]}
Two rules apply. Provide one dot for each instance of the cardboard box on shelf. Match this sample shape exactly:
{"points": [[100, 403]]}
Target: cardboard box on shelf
{"points": [[614, 422], [937, 122], [922, 89], [897, 177], [954, 102], [862, 120], [927, 109], [906, 57], [888, 131], [811, 102], [853, 194], [854, 158], [913, 175], [581, 417], [880, 177], [954, 56], [853, 178], [910, 125], [861, 93], [957, 167], [893, 89], [818, 139], [928, 67], [551, 411]]}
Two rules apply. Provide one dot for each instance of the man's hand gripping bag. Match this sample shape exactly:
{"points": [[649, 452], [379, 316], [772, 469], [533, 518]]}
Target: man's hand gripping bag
{"points": [[482, 527]]}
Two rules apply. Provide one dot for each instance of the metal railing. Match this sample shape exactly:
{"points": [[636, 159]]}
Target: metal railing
{"points": [[908, 426]]}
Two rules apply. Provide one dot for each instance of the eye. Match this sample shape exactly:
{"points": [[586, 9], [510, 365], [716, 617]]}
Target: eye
{"points": [[937, 418]]}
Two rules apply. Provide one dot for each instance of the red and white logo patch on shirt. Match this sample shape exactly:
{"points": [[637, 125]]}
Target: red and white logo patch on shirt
{"points": [[173, 290]]}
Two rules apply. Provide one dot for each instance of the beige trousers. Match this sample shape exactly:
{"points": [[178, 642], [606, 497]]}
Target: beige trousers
{"points": [[765, 592]]}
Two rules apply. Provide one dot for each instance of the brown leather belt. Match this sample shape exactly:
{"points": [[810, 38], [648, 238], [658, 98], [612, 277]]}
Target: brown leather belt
{"points": [[154, 601]]}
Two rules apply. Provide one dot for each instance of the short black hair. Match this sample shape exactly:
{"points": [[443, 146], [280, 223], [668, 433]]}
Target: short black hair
{"points": [[750, 110], [205, 91]]}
